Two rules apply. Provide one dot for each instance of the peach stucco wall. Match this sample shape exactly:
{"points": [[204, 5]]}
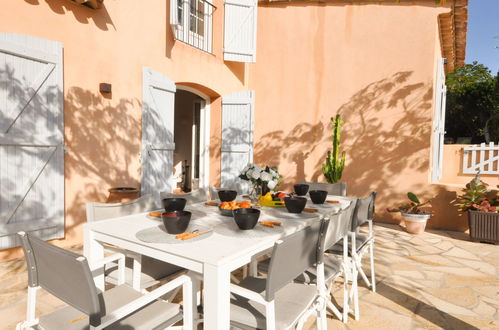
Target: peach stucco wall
{"points": [[373, 63], [113, 44]]}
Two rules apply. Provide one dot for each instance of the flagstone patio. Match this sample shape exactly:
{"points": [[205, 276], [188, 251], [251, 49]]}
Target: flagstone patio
{"points": [[435, 280]]}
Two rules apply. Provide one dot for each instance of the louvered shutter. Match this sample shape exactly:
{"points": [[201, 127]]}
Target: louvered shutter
{"points": [[240, 30], [31, 138], [158, 102], [237, 137], [439, 121]]}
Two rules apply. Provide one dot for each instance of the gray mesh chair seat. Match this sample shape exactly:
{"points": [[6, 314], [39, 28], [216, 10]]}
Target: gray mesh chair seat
{"points": [[332, 270], [67, 276], [153, 315], [277, 302], [290, 301], [152, 271], [360, 242]]}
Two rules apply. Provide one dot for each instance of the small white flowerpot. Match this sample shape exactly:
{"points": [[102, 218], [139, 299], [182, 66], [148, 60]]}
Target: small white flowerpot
{"points": [[415, 223]]}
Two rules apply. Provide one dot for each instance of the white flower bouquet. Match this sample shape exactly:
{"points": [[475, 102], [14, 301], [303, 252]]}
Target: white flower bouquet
{"points": [[268, 178]]}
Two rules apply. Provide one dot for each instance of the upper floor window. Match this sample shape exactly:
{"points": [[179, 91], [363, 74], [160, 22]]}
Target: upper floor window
{"points": [[192, 22]]}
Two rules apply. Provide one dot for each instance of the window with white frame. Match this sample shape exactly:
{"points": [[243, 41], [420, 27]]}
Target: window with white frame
{"points": [[191, 21]]}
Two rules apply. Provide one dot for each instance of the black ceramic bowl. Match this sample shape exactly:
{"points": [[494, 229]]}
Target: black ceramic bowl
{"points": [[246, 218], [318, 196], [174, 204], [295, 204], [176, 222], [301, 189], [227, 195]]}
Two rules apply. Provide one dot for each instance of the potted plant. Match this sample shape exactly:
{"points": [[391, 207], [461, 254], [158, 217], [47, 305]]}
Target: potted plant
{"points": [[334, 165], [483, 216], [414, 217]]}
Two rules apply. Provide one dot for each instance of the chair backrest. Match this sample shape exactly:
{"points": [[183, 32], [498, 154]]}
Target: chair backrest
{"points": [[64, 274], [195, 196], [339, 225], [338, 188], [364, 211], [102, 211], [295, 254]]}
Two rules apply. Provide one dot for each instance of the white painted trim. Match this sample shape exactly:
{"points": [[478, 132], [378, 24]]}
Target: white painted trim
{"points": [[204, 139]]}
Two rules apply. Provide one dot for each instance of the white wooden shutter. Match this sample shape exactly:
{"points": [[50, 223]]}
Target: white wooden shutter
{"points": [[237, 137], [439, 121], [31, 138], [158, 105], [174, 19], [240, 30]]}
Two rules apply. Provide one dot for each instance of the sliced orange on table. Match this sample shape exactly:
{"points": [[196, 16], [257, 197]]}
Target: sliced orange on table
{"points": [[270, 224]]}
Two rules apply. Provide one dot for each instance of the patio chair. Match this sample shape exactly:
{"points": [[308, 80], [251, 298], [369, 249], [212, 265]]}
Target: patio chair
{"points": [[68, 276], [277, 302], [195, 196], [151, 270], [359, 244], [333, 267], [338, 189]]}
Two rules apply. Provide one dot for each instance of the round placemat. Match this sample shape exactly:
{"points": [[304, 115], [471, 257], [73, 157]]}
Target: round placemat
{"points": [[232, 230], [158, 234]]}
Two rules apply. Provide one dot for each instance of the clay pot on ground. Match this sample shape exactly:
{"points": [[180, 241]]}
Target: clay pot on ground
{"points": [[415, 223]]}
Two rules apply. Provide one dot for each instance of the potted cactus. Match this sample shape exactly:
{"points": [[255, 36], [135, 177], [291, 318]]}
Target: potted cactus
{"points": [[482, 209], [415, 218], [333, 168]]}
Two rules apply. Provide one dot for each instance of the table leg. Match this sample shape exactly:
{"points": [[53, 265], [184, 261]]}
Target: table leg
{"points": [[216, 298], [93, 251]]}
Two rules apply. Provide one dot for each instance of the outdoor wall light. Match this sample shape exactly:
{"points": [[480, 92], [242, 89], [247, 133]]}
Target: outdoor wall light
{"points": [[105, 88]]}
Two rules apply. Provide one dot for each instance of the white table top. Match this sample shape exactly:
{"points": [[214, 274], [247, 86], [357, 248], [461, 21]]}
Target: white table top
{"points": [[219, 248]]}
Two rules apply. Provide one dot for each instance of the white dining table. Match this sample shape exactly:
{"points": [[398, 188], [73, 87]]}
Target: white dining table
{"points": [[214, 256]]}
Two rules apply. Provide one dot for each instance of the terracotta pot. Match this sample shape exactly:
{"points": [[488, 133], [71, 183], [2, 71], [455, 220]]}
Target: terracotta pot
{"points": [[122, 194], [415, 223]]}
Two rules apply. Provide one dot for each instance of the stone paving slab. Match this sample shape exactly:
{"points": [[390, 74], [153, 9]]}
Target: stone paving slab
{"points": [[436, 280]]}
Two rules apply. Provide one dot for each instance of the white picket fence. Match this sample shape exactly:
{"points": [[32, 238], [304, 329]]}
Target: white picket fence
{"points": [[484, 159]]}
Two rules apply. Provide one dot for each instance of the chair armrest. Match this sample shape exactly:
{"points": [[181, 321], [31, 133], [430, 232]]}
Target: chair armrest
{"points": [[99, 264], [182, 280], [248, 294], [106, 260]]}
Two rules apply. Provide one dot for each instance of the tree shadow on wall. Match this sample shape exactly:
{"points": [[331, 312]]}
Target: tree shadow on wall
{"points": [[83, 14], [292, 147], [386, 131], [101, 138]]}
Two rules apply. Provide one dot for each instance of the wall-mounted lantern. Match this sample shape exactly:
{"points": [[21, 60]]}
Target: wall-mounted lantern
{"points": [[94, 4], [105, 88]]}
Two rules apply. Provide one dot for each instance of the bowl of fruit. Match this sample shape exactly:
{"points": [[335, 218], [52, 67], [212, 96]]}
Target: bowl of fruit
{"points": [[226, 208], [273, 200]]}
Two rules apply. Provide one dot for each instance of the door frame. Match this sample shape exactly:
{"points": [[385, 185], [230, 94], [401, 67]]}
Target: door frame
{"points": [[204, 138]]}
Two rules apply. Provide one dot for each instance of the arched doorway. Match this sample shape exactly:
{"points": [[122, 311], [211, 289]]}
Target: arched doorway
{"points": [[192, 139]]}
